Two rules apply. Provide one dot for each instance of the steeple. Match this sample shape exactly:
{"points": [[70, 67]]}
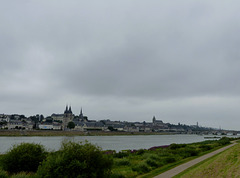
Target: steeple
{"points": [[66, 110], [70, 110], [81, 114], [154, 119]]}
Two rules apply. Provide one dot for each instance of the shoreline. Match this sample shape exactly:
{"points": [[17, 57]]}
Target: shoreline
{"points": [[43, 133]]}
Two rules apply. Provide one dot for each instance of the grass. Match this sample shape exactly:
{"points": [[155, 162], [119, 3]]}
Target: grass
{"points": [[225, 164], [171, 166], [151, 163]]}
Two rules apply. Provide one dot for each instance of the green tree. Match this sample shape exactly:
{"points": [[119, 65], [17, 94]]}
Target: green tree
{"points": [[41, 117], [25, 157], [111, 128], [76, 160], [71, 125], [22, 116]]}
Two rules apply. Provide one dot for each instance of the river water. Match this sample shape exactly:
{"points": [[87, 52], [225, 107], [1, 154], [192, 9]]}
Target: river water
{"points": [[117, 143]]}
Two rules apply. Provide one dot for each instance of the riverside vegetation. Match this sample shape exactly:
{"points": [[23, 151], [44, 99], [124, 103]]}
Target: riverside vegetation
{"points": [[87, 160]]}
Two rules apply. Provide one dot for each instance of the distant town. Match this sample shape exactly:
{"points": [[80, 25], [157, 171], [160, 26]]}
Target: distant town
{"points": [[68, 121]]}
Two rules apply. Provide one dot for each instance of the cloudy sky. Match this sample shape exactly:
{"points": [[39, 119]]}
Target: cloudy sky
{"points": [[122, 60]]}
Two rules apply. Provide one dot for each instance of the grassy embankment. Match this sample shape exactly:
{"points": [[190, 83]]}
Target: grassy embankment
{"points": [[150, 163], [225, 164]]}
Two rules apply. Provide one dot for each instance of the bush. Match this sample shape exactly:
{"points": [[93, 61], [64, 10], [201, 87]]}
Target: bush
{"points": [[152, 163], [205, 147], [151, 156], [174, 146], [224, 141], [122, 162], [140, 152], [25, 157], [76, 160], [121, 154], [3, 174], [141, 168], [188, 152], [117, 175], [22, 175], [169, 160]]}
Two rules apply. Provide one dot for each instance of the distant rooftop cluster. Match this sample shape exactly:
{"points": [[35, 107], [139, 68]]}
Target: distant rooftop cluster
{"points": [[68, 121]]}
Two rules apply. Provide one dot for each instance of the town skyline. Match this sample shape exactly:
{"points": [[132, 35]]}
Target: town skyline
{"points": [[68, 121], [68, 109]]}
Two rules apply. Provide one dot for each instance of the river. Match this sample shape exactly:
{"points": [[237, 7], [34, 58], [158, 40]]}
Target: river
{"points": [[117, 143]]}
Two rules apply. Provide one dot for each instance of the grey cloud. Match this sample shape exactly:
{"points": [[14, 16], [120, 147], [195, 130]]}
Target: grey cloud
{"points": [[113, 57]]}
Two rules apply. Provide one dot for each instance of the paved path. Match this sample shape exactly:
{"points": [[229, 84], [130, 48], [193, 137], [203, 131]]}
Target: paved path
{"points": [[182, 167]]}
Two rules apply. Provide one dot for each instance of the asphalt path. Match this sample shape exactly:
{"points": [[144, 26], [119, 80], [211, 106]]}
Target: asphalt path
{"points": [[175, 171]]}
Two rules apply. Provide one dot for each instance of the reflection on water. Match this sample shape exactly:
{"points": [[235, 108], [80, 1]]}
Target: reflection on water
{"points": [[117, 143]]}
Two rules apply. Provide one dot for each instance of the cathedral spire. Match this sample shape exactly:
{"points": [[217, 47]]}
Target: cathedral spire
{"points": [[66, 110], [81, 114]]}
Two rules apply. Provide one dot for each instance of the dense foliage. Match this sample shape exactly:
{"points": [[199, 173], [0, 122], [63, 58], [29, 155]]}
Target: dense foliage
{"points": [[25, 157], [76, 160]]}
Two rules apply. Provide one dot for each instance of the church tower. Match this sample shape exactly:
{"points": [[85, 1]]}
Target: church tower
{"points": [[81, 115], [68, 116], [68, 112]]}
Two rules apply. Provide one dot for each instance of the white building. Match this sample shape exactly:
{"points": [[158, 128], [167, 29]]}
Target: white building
{"points": [[45, 126]]}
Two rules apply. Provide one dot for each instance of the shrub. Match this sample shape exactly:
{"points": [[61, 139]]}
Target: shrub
{"points": [[205, 147], [188, 151], [122, 162], [140, 152], [141, 168], [76, 160], [22, 175], [151, 156], [121, 154], [169, 160], [174, 146], [152, 163], [154, 157], [224, 141], [158, 147], [3, 174], [25, 157], [117, 175]]}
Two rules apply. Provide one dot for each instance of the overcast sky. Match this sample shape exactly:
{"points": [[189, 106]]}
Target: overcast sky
{"points": [[125, 60]]}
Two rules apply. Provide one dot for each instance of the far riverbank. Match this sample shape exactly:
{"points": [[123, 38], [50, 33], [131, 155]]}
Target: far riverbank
{"points": [[16, 133]]}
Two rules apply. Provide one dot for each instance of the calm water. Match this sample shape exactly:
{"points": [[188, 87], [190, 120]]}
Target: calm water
{"points": [[117, 143]]}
